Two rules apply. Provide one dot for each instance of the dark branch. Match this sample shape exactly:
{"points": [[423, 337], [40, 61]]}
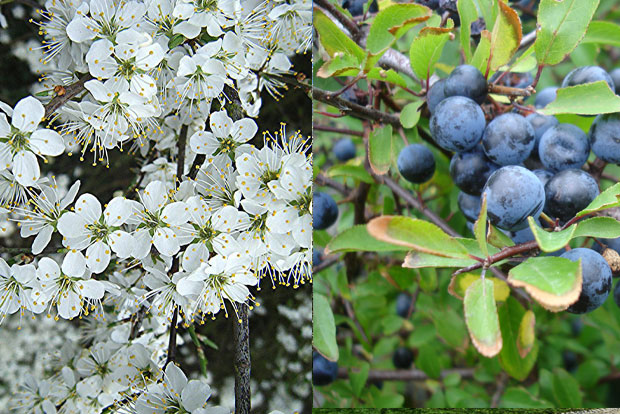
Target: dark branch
{"points": [[327, 128], [69, 92], [501, 255], [242, 362], [354, 109]]}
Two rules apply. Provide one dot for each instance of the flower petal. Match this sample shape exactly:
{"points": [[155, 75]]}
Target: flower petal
{"points": [[142, 243], [220, 124], [122, 243], [175, 213], [198, 142], [187, 29], [175, 378], [74, 264], [88, 207], [154, 196], [117, 211], [42, 239], [78, 30], [28, 114], [99, 91], [71, 225], [47, 142], [48, 270], [149, 57], [98, 256], [165, 241], [92, 289], [70, 196], [69, 305], [195, 395], [26, 168]]}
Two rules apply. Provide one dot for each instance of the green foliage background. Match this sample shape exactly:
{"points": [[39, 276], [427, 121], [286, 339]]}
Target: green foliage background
{"points": [[436, 331]]}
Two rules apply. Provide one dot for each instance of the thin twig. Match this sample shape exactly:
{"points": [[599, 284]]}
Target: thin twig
{"points": [[528, 39], [344, 131], [321, 179], [354, 109], [499, 391], [509, 91], [501, 255], [325, 263], [415, 203]]}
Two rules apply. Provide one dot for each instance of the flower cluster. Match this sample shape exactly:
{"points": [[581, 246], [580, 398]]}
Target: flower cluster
{"points": [[213, 210]]}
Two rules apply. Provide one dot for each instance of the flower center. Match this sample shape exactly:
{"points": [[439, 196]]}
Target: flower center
{"points": [[99, 230], [269, 175], [18, 140], [226, 145], [206, 5]]}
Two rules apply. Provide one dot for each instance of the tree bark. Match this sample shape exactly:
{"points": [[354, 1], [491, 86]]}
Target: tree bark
{"points": [[242, 362]]}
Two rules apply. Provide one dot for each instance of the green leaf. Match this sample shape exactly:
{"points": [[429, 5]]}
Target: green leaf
{"points": [[410, 115], [339, 65], [498, 238], [450, 327], [605, 227], [417, 235], [324, 327], [607, 199], [468, 14], [428, 280], [358, 379], [550, 241], [175, 41], [562, 25], [526, 336], [566, 389], [481, 55], [587, 99], [590, 371], [583, 122], [526, 62], [349, 170], [481, 317], [555, 282], [505, 37], [333, 38], [604, 33], [519, 397], [426, 50], [380, 149], [416, 260], [428, 361], [391, 23], [459, 284], [510, 316], [357, 239], [480, 227], [389, 76], [486, 8]]}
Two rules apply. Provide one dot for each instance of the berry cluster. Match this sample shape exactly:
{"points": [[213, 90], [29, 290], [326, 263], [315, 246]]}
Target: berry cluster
{"points": [[523, 165], [523, 162]]}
